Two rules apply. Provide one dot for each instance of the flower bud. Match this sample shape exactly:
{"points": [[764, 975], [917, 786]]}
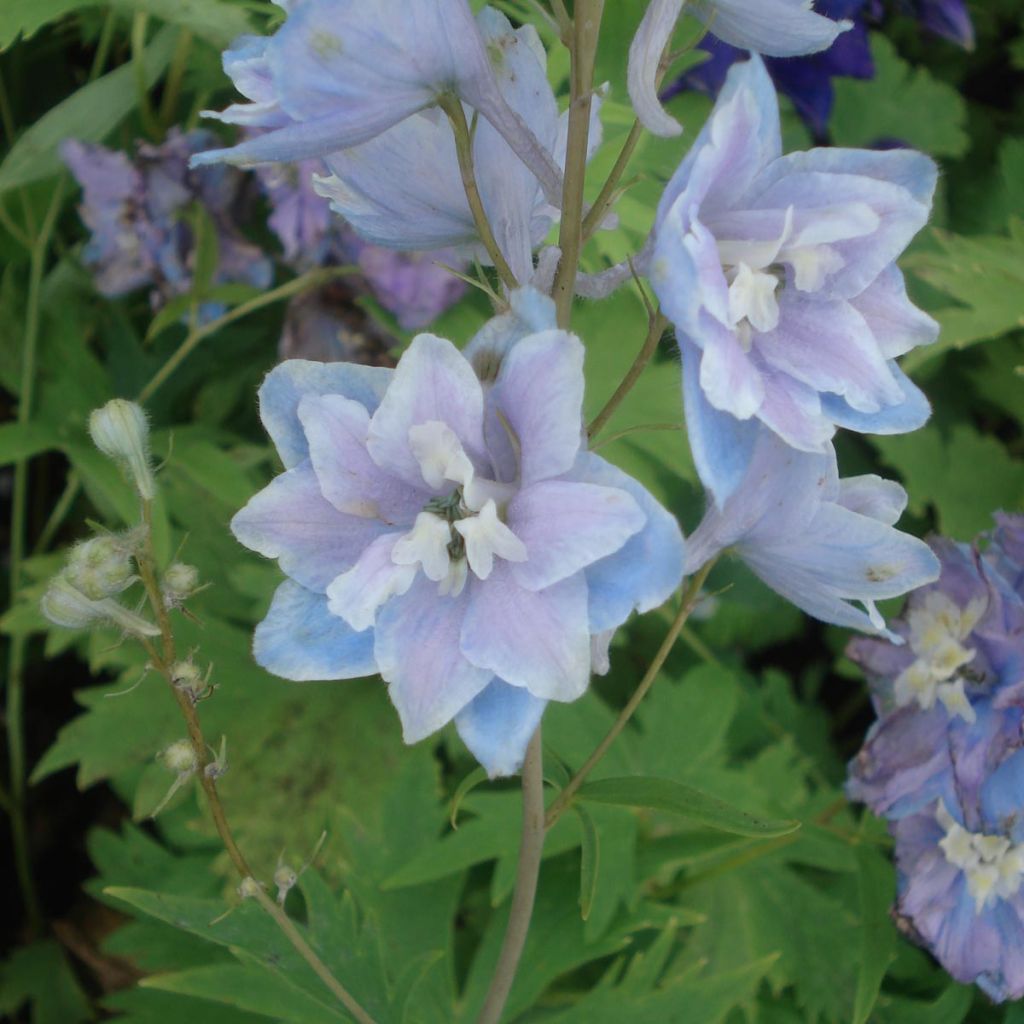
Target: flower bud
{"points": [[249, 888], [180, 757], [179, 583], [100, 567], [285, 879], [65, 605], [121, 432]]}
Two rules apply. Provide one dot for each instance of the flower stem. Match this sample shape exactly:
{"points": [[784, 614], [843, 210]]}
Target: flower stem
{"points": [[530, 849], [162, 663], [452, 106], [14, 724], [655, 329], [586, 28], [607, 194], [689, 602], [198, 334]]}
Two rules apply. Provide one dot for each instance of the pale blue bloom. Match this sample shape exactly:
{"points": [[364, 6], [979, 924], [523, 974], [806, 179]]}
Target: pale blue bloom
{"points": [[777, 28], [819, 541], [338, 73], [451, 533], [778, 273]]}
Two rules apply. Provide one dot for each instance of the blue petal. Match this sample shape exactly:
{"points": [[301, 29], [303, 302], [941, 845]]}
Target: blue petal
{"points": [[910, 414], [498, 724], [780, 28], [722, 445], [647, 569], [286, 385], [300, 640]]}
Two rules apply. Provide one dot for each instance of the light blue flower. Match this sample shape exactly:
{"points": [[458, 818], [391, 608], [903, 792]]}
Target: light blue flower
{"points": [[819, 541], [778, 273], [338, 73], [403, 189], [450, 533], [777, 28]]}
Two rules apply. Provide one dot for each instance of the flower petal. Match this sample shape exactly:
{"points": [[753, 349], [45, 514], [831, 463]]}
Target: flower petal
{"points": [[498, 724], [897, 324], [336, 428], [417, 650], [301, 640], [374, 579], [539, 393], [536, 639], [433, 382], [286, 385], [913, 412], [779, 28], [292, 521], [646, 570], [567, 526], [645, 52]]}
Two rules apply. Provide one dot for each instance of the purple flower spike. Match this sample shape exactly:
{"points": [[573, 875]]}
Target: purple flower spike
{"points": [[947, 18], [819, 541], [446, 530], [800, 311]]}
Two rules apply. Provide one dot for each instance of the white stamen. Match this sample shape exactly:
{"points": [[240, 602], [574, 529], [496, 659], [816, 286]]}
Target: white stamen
{"points": [[440, 455], [426, 544], [486, 536]]}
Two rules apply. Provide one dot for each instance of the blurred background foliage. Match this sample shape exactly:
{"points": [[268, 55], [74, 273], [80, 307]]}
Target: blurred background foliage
{"points": [[757, 705]]}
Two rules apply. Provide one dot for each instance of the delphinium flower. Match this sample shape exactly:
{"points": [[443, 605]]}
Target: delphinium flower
{"points": [[138, 212], [947, 18], [820, 541], [338, 73], [442, 524], [800, 311], [944, 763]]}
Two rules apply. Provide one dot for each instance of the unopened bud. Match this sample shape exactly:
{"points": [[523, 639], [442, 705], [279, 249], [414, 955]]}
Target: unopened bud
{"points": [[100, 567], [119, 429], [180, 757], [249, 888], [65, 605], [179, 582], [285, 879]]}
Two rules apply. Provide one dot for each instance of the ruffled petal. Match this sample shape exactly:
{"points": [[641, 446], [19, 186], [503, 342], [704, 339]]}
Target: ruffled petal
{"points": [[567, 526], [290, 520], [539, 640], [907, 415], [301, 640], [417, 651], [645, 52]]}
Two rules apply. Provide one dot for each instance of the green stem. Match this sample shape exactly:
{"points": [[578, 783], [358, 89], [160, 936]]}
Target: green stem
{"points": [[19, 503], [640, 428], [149, 120], [586, 28], [655, 329], [531, 848], [310, 280], [452, 106], [175, 77], [689, 602], [606, 196], [106, 40], [67, 498]]}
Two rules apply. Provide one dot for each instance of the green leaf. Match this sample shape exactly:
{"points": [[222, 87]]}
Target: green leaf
{"points": [[467, 785], [867, 111], [88, 114], [23, 440], [40, 975], [675, 798], [590, 860], [878, 937], [150, 1006], [25, 17]]}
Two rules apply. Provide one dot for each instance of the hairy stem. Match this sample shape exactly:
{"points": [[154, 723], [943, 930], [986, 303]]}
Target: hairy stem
{"points": [[163, 662], [655, 329], [605, 197], [586, 28], [19, 503], [689, 602], [199, 334], [452, 106], [530, 849]]}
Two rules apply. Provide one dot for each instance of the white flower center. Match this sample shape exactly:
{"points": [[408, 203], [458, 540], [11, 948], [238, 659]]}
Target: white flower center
{"points": [[992, 865], [461, 531], [938, 627]]}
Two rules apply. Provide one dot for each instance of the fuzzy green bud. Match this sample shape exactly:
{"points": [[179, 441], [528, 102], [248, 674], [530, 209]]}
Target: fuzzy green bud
{"points": [[119, 429], [100, 567], [180, 758], [65, 605], [248, 888], [285, 879], [179, 583]]}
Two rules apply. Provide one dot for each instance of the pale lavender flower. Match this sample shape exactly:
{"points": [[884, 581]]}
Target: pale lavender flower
{"points": [[819, 541], [137, 213], [777, 28], [450, 532], [778, 273], [338, 73]]}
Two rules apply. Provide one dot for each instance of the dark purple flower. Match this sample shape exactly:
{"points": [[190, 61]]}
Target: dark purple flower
{"points": [[947, 18]]}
